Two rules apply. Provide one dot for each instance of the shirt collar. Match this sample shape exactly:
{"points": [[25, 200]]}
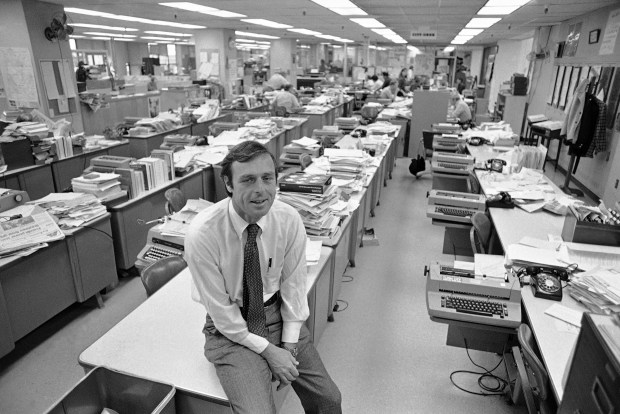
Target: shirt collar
{"points": [[239, 224]]}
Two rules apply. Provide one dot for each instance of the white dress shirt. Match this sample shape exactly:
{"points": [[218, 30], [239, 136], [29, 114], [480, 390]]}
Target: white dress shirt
{"points": [[214, 252]]}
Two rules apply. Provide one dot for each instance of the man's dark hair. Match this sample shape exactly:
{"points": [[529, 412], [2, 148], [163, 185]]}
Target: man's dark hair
{"points": [[287, 87], [385, 74], [375, 78], [243, 152]]}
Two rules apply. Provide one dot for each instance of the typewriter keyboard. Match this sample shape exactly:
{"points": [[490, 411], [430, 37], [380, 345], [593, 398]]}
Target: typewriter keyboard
{"points": [[474, 306], [155, 253], [451, 211], [452, 166]]}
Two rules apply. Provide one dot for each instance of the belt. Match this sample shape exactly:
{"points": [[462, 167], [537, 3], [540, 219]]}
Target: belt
{"points": [[273, 299]]}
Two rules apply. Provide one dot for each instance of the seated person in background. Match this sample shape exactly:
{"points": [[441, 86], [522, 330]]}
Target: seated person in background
{"points": [[286, 99], [461, 111], [386, 79], [276, 82], [375, 84], [391, 92], [152, 85]]}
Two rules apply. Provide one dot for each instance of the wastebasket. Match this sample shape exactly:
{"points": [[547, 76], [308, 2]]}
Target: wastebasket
{"points": [[104, 388]]}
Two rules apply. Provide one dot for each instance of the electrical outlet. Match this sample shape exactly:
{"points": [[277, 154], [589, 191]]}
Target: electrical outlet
{"points": [[616, 185]]}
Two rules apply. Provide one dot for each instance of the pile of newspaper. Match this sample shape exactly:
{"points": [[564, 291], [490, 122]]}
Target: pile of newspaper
{"points": [[71, 209], [261, 128], [25, 229]]}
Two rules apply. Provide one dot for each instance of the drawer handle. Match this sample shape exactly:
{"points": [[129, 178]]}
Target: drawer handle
{"points": [[600, 397]]}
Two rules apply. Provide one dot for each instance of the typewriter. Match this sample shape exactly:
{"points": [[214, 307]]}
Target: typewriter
{"points": [[454, 206], [452, 163], [457, 294], [158, 246], [448, 142]]}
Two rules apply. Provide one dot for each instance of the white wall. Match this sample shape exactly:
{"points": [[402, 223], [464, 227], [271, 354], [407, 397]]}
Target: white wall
{"points": [[476, 62], [510, 59]]}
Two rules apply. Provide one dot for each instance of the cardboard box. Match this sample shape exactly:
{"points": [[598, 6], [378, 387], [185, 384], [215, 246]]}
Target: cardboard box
{"points": [[588, 232]]}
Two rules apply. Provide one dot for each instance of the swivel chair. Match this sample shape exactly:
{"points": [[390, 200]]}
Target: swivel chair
{"points": [[427, 142], [532, 380], [161, 272], [480, 233]]}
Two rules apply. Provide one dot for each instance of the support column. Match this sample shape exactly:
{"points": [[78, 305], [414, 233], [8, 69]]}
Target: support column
{"points": [[282, 59], [215, 49]]}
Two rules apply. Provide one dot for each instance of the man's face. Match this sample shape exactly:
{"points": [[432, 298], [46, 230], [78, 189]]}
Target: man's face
{"points": [[393, 88], [253, 187]]}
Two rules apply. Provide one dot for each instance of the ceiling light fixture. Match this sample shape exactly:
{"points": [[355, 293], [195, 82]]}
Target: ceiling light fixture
{"points": [[109, 34], [305, 31], [159, 32], [131, 19], [482, 22], [193, 7], [268, 23], [342, 7], [470, 32], [497, 11], [369, 23], [501, 3], [448, 49], [156, 38], [250, 34], [104, 27]]}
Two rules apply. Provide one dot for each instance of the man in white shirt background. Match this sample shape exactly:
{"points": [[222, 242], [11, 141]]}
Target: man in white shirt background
{"points": [[248, 248], [286, 99]]}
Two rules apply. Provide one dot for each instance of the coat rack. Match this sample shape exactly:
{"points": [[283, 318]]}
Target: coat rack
{"points": [[574, 159]]}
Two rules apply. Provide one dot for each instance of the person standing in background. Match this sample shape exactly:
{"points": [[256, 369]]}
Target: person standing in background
{"points": [[81, 76], [152, 85]]}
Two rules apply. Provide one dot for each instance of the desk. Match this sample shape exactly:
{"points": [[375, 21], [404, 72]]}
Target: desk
{"points": [[129, 236], [555, 344], [142, 145], [162, 340], [37, 287], [67, 168], [318, 120], [36, 180], [202, 128], [545, 133]]}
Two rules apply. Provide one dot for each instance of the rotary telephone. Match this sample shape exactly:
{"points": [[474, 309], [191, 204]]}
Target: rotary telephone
{"points": [[496, 165], [546, 282]]}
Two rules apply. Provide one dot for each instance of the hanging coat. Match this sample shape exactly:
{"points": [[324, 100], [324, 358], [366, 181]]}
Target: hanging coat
{"points": [[574, 111], [587, 127]]}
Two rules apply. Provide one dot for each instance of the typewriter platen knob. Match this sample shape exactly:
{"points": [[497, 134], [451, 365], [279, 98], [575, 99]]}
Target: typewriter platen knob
{"points": [[427, 271]]}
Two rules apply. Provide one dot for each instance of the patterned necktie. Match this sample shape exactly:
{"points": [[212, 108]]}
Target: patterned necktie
{"points": [[253, 310]]}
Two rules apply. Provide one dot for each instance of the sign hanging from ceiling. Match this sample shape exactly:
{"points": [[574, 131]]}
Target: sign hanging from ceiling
{"points": [[423, 33]]}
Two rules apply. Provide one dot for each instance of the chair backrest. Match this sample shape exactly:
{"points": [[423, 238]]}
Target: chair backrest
{"points": [[175, 200], [159, 273], [536, 371], [473, 184], [427, 140], [480, 233]]}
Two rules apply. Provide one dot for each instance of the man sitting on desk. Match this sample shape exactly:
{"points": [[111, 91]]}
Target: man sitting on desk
{"points": [[391, 92], [247, 258], [461, 111], [286, 99]]}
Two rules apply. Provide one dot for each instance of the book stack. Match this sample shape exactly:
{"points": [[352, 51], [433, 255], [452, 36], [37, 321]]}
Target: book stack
{"points": [[104, 186], [153, 170], [347, 124], [11, 115], [312, 196], [346, 164], [291, 153], [167, 155], [62, 147]]}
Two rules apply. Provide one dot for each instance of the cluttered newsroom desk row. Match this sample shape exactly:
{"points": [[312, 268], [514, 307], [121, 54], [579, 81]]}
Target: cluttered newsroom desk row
{"points": [[337, 252], [531, 238]]}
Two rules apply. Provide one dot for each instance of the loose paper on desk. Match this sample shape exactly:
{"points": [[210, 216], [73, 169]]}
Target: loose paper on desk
{"points": [[520, 255], [489, 265], [588, 256], [305, 142], [540, 244], [36, 226], [313, 251], [565, 314]]}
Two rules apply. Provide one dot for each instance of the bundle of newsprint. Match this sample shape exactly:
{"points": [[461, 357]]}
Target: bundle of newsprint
{"points": [[25, 229]]}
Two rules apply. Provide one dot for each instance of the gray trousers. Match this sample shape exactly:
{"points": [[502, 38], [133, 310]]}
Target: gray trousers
{"points": [[246, 377]]}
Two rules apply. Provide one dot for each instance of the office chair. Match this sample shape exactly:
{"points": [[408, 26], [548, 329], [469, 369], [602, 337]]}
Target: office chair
{"points": [[427, 142], [480, 233], [473, 185], [157, 274], [533, 379], [175, 200]]}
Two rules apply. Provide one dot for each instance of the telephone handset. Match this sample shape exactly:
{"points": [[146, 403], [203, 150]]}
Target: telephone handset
{"points": [[495, 164], [546, 282]]}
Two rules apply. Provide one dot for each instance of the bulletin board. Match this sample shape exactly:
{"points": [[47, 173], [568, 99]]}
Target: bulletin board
{"points": [[18, 77], [60, 86]]}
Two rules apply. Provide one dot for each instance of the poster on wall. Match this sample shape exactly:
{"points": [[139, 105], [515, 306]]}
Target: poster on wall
{"points": [[614, 98], [18, 77], [572, 39], [552, 86], [608, 44], [424, 64]]}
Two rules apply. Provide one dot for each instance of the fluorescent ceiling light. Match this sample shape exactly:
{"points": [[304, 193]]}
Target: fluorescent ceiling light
{"points": [[384, 32], [482, 22], [324, 36], [470, 32], [109, 34], [448, 49], [77, 37], [245, 41], [461, 40], [202, 9], [334, 3], [346, 40], [305, 31], [348, 11], [466, 38], [497, 11], [156, 38], [100, 38], [101, 26], [130, 18], [399, 41], [368, 22], [501, 3], [413, 49], [121, 39], [159, 32], [249, 34], [263, 43], [268, 23]]}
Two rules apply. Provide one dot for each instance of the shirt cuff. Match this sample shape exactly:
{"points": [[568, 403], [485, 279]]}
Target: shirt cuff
{"points": [[255, 342], [290, 331]]}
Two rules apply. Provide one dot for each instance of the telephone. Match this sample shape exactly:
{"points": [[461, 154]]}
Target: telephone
{"points": [[475, 141], [500, 200], [546, 282], [496, 165]]}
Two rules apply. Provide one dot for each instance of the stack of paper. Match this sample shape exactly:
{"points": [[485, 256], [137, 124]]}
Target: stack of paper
{"points": [[346, 164], [313, 252], [597, 289], [71, 209], [178, 223], [315, 209], [30, 231], [102, 185]]}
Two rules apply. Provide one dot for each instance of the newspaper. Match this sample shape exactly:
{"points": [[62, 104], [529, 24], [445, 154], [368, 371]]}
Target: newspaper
{"points": [[33, 227]]}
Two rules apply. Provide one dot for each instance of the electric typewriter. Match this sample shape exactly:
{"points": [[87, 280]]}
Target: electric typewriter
{"points": [[446, 128], [458, 294], [452, 163], [448, 142], [454, 206], [158, 246]]}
